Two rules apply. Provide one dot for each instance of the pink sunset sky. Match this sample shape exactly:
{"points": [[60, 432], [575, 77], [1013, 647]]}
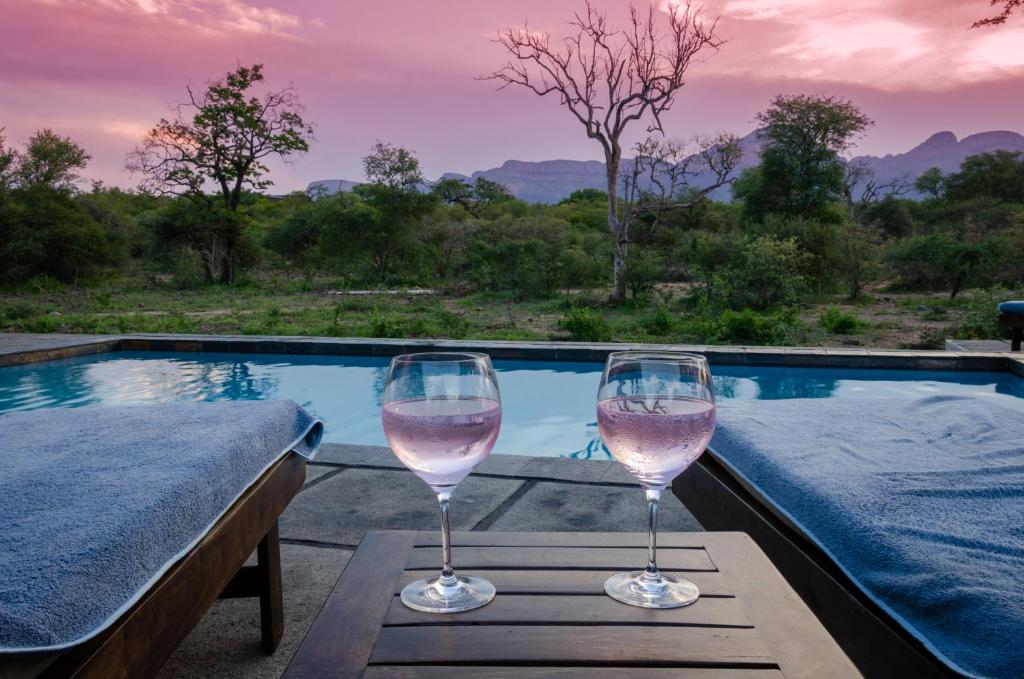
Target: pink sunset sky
{"points": [[103, 71]]}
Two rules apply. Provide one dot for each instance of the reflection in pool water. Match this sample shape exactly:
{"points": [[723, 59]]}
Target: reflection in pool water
{"points": [[548, 407]]}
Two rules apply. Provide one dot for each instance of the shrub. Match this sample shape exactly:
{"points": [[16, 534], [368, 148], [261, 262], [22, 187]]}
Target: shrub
{"points": [[758, 273], [838, 322], [980, 318], [585, 325], [929, 338], [381, 325], [530, 257], [17, 311], [751, 327], [944, 262], [644, 268], [453, 325], [386, 325], [746, 326], [661, 322]]}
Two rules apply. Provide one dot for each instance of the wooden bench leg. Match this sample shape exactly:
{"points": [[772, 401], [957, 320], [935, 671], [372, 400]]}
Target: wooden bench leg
{"points": [[264, 581], [268, 555]]}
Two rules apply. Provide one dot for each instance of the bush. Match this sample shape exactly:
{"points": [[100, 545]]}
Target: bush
{"points": [[838, 322], [585, 325], [944, 262], [661, 323], [644, 268], [749, 327], [531, 257], [746, 326], [17, 311], [980, 319], [454, 326], [386, 325], [758, 273]]}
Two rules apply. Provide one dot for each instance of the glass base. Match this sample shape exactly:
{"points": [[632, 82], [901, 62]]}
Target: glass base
{"points": [[430, 596], [666, 591]]}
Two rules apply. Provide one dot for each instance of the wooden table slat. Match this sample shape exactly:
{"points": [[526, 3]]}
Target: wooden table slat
{"points": [[468, 558], [339, 642], [547, 609], [547, 539], [800, 643], [626, 645], [481, 672], [565, 582]]}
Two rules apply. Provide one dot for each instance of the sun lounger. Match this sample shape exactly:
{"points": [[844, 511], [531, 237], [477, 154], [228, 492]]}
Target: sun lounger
{"points": [[898, 521], [121, 526], [1011, 315]]}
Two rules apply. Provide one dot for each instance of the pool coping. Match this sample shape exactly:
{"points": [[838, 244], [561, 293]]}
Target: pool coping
{"points": [[68, 346]]}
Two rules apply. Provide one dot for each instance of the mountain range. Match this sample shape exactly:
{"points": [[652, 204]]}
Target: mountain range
{"points": [[549, 181]]}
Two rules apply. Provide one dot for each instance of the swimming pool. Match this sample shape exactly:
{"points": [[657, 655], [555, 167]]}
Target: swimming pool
{"points": [[548, 407]]}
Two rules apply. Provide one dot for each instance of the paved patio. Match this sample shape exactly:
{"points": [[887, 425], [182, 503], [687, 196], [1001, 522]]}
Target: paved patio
{"points": [[352, 489]]}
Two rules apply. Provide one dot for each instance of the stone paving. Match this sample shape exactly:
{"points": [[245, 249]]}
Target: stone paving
{"points": [[352, 489]]}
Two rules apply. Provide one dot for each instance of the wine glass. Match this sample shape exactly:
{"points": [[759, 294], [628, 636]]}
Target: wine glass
{"points": [[441, 417], [656, 414]]}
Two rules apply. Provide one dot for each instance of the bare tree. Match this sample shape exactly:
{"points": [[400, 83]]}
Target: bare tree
{"points": [[860, 241], [662, 175], [609, 78], [1008, 8], [861, 189]]}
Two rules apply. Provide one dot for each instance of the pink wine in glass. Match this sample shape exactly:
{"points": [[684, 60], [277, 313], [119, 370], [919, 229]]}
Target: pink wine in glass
{"points": [[441, 440], [656, 438]]}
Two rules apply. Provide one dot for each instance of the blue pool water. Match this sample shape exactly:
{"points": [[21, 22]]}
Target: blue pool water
{"points": [[548, 407]]}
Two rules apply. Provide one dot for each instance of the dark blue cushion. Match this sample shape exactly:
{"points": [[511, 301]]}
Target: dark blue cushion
{"points": [[1012, 307]]}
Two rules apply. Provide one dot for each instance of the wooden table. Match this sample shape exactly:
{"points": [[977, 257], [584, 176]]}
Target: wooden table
{"points": [[552, 618]]}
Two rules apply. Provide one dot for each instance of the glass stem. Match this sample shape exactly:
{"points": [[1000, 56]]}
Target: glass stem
{"points": [[651, 572], [447, 578]]}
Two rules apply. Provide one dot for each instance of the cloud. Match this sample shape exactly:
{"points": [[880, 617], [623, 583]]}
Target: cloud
{"points": [[885, 44], [897, 40], [760, 10], [231, 16], [124, 129]]}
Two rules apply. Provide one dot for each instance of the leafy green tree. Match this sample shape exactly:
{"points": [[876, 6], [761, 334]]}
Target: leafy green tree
{"points": [[998, 175], [8, 157], [893, 217], [297, 234], [941, 261], [931, 183], [392, 166], [51, 160], [473, 198], [222, 137], [801, 170], [43, 229], [585, 196]]}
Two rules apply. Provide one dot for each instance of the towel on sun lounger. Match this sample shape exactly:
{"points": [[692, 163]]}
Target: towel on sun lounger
{"points": [[97, 503], [920, 502], [1015, 307]]}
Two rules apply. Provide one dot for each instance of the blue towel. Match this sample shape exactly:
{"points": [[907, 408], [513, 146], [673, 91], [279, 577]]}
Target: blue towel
{"points": [[1011, 308], [97, 503], [920, 502]]}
